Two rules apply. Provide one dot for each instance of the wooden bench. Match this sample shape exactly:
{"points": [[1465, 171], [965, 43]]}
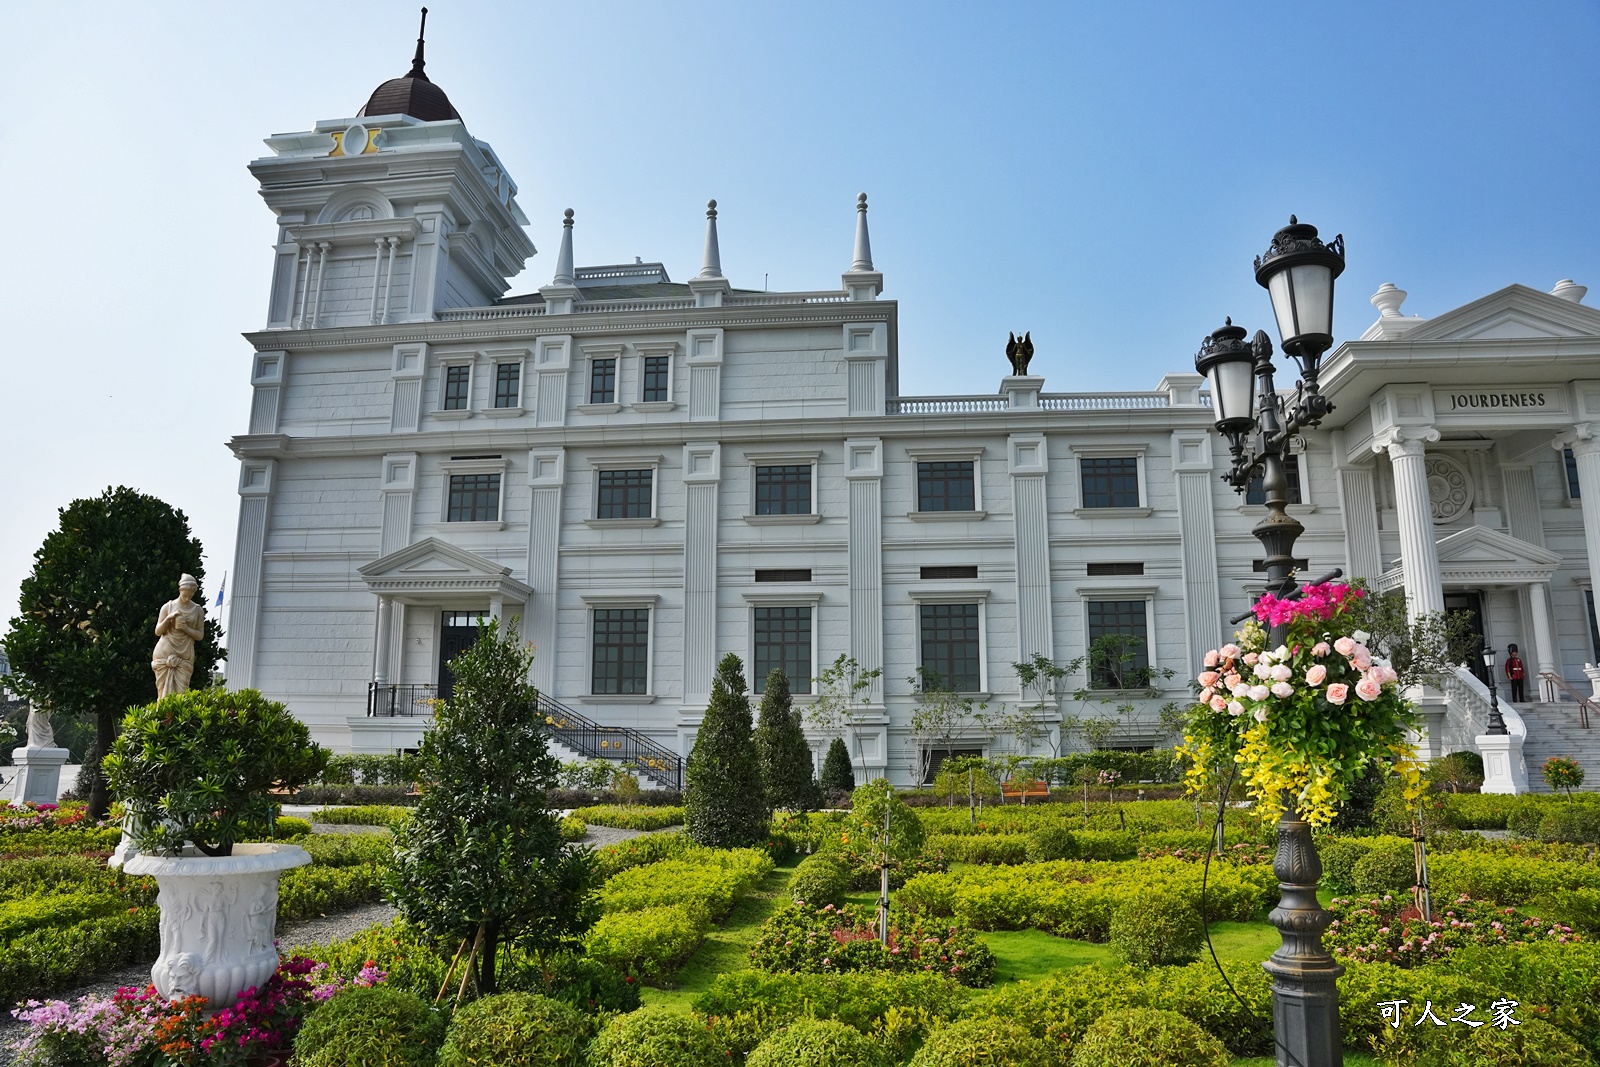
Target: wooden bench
{"points": [[1023, 790]]}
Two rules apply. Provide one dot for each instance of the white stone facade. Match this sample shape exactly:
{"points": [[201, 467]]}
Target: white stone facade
{"points": [[392, 368]]}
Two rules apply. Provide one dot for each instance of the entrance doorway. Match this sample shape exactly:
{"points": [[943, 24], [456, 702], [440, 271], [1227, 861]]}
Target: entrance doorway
{"points": [[458, 631], [1471, 603]]}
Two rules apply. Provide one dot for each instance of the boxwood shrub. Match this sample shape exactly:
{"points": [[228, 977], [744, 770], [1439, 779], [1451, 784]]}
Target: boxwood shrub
{"points": [[859, 1000], [985, 1041], [1148, 1037], [817, 1043], [656, 1037], [631, 816], [390, 815], [709, 880], [1505, 878], [515, 1030], [370, 1026], [1052, 843], [638, 851], [820, 879], [800, 937], [1159, 930], [649, 943]]}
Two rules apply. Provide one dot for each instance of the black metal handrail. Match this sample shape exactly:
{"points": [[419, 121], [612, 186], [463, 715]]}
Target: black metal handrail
{"points": [[577, 732], [588, 738], [1583, 702]]}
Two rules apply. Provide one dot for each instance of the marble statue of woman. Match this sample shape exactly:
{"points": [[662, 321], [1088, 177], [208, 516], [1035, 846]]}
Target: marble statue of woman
{"points": [[40, 733], [181, 623]]}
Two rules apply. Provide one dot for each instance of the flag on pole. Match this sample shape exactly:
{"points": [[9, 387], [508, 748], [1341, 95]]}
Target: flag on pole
{"points": [[222, 589]]}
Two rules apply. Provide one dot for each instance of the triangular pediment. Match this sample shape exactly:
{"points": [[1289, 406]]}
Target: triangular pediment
{"points": [[432, 566], [1514, 312], [1481, 545]]}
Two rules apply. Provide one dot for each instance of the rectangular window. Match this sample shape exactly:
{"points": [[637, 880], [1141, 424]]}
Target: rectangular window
{"points": [[655, 379], [1571, 461], [784, 574], [507, 384], [457, 382], [783, 642], [950, 645], [1106, 570], [1110, 481], [937, 574], [1257, 494], [946, 485], [1122, 659], [602, 381], [621, 651], [624, 495], [1594, 627], [474, 498], [784, 490]]}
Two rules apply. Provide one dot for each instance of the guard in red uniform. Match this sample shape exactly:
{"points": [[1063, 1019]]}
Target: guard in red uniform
{"points": [[1516, 673]]}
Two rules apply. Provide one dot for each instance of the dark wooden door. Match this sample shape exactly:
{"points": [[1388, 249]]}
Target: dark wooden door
{"points": [[1472, 604], [458, 630]]}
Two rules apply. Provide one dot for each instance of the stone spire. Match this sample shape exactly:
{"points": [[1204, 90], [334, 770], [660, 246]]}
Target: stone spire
{"points": [[861, 281], [711, 266], [863, 257], [564, 273]]}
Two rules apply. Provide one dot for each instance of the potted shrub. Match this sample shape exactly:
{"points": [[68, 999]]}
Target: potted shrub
{"points": [[193, 772]]}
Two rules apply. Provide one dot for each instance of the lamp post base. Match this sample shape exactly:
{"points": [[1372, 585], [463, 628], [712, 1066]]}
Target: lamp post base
{"points": [[1305, 993], [1504, 769]]}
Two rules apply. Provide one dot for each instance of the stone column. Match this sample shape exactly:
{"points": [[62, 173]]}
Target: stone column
{"points": [[702, 471], [1419, 554], [1585, 445], [1544, 643], [380, 661]]}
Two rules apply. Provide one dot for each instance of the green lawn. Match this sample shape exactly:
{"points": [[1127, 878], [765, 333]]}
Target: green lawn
{"points": [[727, 947]]}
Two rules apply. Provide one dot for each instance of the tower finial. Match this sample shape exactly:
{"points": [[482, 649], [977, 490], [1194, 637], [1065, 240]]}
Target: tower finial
{"points": [[416, 60], [564, 271], [862, 260], [711, 265]]}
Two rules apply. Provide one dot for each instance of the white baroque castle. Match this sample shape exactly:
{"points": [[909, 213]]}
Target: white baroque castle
{"points": [[649, 474]]}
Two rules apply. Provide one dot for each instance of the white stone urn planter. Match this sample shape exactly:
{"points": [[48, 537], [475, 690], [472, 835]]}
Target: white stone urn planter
{"points": [[219, 915]]}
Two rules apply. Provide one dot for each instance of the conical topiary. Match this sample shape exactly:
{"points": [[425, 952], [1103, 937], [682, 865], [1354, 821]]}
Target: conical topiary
{"points": [[838, 776], [786, 768], [726, 806]]}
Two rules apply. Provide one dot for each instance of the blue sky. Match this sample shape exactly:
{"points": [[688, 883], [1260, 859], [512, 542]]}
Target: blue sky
{"points": [[1101, 175]]}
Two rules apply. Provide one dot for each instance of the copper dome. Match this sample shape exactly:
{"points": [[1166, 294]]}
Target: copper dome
{"points": [[413, 94]]}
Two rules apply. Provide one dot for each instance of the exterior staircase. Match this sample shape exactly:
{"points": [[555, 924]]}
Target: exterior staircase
{"points": [[1549, 728], [587, 738]]}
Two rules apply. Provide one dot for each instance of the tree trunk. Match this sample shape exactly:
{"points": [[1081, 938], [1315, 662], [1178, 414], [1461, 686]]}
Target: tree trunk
{"points": [[105, 729], [486, 959]]}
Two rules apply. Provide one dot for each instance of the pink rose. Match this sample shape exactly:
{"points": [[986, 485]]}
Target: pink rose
{"points": [[1337, 692], [1282, 673], [1230, 651], [1240, 690], [1367, 689], [1259, 692], [1261, 715], [1345, 646], [1251, 658], [1232, 681], [1235, 708], [1385, 674], [1262, 670], [1205, 695], [1219, 704], [1316, 674], [1212, 658], [1320, 649], [1282, 690], [1359, 661], [1209, 678]]}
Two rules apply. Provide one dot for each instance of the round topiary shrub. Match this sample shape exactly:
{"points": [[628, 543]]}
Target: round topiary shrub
{"points": [[1339, 858], [984, 1041], [514, 1030], [1535, 1043], [1157, 930], [817, 1043], [376, 1026], [1147, 1037], [820, 879], [1052, 843], [655, 1037], [1388, 867]]}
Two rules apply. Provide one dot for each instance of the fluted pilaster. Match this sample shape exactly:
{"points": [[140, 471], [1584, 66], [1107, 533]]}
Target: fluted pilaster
{"points": [[1419, 554]]}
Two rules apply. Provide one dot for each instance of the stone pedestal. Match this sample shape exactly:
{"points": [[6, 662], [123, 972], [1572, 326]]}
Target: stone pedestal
{"points": [[1022, 391], [1503, 768], [1594, 679], [38, 775]]}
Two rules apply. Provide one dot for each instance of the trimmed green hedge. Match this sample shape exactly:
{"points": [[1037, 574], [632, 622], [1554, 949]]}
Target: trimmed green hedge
{"points": [[638, 851], [709, 880], [649, 943], [390, 815], [858, 1000], [631, 817]]}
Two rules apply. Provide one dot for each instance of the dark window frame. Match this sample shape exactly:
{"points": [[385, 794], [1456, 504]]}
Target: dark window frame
{"points": [[1256, 492], [619, 651], [1104, 616], [603, 380], [784, 488], [457, 390], [656, 381], [941, 627], [1109, 481], [947, 485], [473, 496], [505, 397], [1569, 461], [625, 493], [782, 635]]}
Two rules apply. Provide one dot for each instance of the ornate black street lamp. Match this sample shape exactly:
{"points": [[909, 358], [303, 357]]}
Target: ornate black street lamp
{"points": [[1298, 271], [1497, 722]]}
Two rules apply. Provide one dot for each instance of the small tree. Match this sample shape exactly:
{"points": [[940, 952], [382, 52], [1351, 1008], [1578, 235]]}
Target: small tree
{"points": [[1039, 679], [726, 806], [1418, 648], [941, 716], [1117, 677], [966, 776], [482, 860], [838, 774], [1563, 773], [82, 640], [842, 692], [787, 771]]}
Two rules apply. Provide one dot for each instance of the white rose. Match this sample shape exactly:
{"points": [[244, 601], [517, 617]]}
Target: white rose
{"points": [[1362, 636]]}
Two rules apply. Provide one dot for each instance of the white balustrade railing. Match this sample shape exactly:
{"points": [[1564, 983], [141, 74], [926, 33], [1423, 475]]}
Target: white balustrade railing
{"points": [[946, 405], [1469, 698], [509, 311], [826, 296], [1102, 401], [598, 307]]}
